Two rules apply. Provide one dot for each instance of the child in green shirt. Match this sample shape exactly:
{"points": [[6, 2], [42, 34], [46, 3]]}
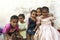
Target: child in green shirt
{"points": [[22, 25]]}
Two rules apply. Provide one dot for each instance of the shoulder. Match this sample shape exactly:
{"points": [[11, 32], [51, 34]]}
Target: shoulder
{"points": [[29, 19], [6, 28], [7, 25]]}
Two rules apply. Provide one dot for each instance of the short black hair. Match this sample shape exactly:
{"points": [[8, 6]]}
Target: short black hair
{"points": [[45, 8], [14, 17], [22, 15], [39, 8], [33, 11]]}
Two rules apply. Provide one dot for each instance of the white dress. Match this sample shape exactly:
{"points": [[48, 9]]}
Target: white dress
{"points": [[46, 31]]}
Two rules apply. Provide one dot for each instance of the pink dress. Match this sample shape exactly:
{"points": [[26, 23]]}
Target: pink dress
{"points": [[46, 31]]}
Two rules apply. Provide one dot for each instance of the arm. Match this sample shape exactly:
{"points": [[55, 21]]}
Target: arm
{"points": [[37, 25], [5, 31], [52, 21], [22, 29], [25, 27], [6, 28], [6, 36]]}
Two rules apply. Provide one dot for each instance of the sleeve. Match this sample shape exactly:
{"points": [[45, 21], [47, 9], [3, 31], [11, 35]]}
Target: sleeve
{"points": [[17, 28], [6, 29]]}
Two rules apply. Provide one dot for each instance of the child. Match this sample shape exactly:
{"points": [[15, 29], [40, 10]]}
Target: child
{"points": [[39, 14], [46, 31], [39, 10], [22, 25], [11, 28], [31, 25]]}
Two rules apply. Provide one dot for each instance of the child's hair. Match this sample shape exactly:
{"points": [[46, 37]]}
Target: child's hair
{"points": [[14, 17], [21, 15], [45, 8], [33, 11], [39, 9]]}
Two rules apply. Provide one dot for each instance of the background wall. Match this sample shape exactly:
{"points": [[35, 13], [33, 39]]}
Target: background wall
{"points": [[15, 7]]}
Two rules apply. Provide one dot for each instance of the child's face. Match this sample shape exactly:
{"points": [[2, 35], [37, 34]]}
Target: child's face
{"points": [[44, 12], [33, 14], [38, 12], [21, 19], [14, 22]]}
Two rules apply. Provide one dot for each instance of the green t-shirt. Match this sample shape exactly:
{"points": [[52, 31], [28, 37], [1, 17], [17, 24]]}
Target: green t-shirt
{"points": [[23, 26]]}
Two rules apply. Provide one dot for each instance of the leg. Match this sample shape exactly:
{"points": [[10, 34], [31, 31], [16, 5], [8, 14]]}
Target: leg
{"points": [[28, 37], [24, 39], [32, 37], [6, 37]]}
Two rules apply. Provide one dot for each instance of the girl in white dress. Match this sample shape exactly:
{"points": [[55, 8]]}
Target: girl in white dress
{"points": [[46, 31]]}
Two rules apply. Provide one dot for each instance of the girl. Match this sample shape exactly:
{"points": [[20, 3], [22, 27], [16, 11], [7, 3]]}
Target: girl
{"points": [[39, 10], [11, 28], [22, 25], [31, 25], [46, 31]]}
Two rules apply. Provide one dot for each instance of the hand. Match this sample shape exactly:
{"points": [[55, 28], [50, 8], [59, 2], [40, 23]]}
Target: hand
{"points": [[22, 29], [12, 30]]}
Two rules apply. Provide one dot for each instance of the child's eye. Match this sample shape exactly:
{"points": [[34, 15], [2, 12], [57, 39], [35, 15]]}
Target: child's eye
{"points": [[34, 14], [15, 22]]}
